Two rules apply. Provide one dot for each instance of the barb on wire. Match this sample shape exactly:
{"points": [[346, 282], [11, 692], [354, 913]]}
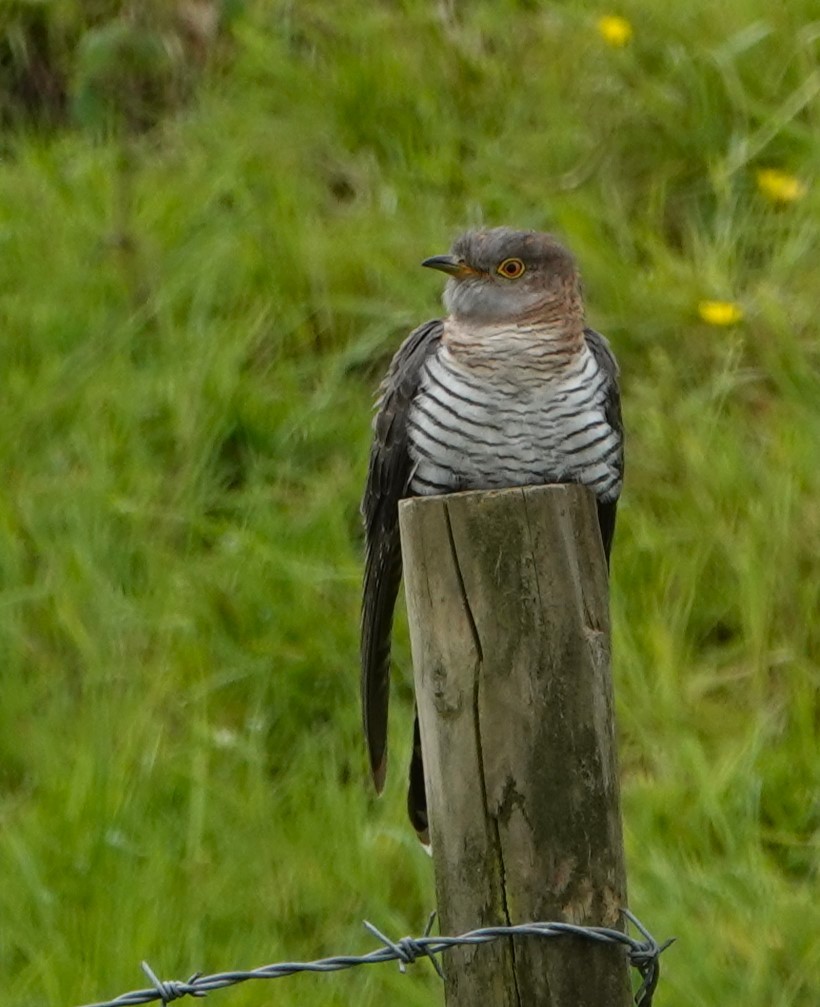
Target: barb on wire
{"points": [[643, 955]]}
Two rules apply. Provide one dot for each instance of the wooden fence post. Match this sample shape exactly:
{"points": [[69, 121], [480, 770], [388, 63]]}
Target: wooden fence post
{"points": [[507, 598]]}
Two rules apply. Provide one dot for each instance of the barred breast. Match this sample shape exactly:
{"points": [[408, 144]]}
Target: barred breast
{"points": [[516, 412]]}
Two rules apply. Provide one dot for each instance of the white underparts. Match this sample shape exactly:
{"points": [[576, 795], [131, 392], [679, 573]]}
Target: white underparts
{"points": [[532, 413]]}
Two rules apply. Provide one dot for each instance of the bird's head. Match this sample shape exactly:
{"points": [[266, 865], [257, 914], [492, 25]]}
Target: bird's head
{"points": [[504, 275]]}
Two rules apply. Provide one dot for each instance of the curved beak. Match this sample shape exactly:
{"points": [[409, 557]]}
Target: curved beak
{"points": [[449, 264]]}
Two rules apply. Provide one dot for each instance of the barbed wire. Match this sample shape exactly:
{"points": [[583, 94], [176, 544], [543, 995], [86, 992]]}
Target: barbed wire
{"points": [[643, 955]]}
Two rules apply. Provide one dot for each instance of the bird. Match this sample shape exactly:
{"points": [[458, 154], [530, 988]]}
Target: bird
{"points": [[510, 389]]}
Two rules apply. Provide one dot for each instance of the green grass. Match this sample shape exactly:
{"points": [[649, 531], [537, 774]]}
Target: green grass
{"points": [[184, 437]]}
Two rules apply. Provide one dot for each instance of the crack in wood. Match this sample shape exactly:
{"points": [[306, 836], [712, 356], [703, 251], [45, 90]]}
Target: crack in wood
{"points": [[489, 817], [523, 770], [468, 611], [505, 905]]}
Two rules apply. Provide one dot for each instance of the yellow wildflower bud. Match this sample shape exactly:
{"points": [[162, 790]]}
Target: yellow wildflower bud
{"points": [[614, 30], [720, 312], [779, 186]]}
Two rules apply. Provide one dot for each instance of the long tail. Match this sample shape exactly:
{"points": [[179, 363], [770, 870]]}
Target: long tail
{"points": [[416, 796]]}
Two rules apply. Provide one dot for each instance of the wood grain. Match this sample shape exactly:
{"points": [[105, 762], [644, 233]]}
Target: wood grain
{"points": [[507, 599]]}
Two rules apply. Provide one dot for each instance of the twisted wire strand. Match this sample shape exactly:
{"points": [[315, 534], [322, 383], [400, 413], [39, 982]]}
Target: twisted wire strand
{"points": [[643, 955]]}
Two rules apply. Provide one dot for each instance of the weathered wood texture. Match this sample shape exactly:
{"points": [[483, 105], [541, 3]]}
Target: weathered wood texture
{"points": [[507, 599]]}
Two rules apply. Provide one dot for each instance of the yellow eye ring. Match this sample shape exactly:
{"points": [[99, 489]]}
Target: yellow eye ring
{"points": [[511, 269]]}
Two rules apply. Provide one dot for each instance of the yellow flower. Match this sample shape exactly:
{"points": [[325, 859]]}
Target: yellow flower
{"points": [[720, 312], [614, 30], [779, 186]]}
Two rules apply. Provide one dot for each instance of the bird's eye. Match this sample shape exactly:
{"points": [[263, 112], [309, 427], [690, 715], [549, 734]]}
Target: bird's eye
{"points": [[511, 268]]}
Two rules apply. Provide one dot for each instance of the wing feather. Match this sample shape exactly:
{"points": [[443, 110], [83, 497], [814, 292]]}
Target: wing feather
{"points": [[388, 479], [604, 357]]}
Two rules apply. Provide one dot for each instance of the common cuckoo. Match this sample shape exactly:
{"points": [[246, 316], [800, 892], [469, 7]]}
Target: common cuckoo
{"points": [[510, 389]]}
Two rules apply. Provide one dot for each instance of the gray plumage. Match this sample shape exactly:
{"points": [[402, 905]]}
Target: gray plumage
{"points": [[510, 389]]}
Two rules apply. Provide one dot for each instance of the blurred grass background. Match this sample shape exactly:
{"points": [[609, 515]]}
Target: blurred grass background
{"points": [[210, 224]]}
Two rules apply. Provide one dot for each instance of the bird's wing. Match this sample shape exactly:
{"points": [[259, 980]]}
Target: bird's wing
{"points": [[388, 478], [600, 349]]}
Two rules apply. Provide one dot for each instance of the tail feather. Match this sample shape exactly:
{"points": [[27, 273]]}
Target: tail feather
{"points": [[416, 795]]}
